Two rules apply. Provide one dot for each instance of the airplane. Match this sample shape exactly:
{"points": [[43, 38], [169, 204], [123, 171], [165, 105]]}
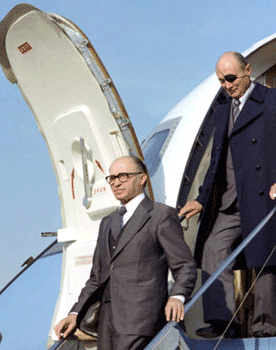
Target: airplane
{"points": [[86, 127]]}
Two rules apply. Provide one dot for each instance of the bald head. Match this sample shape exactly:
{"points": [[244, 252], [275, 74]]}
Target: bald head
{"points": [[137, 162], [233, 55], [232, 64]]}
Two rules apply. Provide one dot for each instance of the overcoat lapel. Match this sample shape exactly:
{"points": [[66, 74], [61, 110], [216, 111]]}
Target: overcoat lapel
{"points": [[252, 108], [134, 224], [221, 122]]}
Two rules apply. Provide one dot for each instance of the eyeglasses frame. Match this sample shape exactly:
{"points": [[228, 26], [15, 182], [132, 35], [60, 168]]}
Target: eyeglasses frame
{"points": [[107, 178]]}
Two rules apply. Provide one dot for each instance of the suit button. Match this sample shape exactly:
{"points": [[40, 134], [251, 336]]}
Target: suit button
{"points": [[254, 140], [258, 167], [114, 247], [111, 267], [261, 193]]}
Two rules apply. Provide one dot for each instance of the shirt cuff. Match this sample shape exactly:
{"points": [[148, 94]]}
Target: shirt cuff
{"points": [[179, 297]]}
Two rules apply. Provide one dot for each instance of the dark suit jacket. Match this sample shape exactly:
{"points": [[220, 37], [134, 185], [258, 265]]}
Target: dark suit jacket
{"points": [[253, 148], [151, 242]]}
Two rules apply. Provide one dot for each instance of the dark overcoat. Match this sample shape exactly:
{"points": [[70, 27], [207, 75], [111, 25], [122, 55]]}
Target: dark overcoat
{"points": [[151, 242], [253, 148]]}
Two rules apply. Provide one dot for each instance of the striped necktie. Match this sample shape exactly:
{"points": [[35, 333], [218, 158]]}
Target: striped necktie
{"points": [[235, 109]]}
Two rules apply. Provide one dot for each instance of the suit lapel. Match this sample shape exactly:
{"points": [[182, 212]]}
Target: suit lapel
{"points": [[252, 108], [107, 230], [134, 224]]}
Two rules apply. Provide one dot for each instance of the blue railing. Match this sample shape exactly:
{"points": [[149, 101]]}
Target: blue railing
{"points": [[58, 344], [28, 264]]}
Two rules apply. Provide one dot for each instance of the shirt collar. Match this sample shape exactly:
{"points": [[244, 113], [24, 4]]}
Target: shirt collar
{"points": [[244, 98], [132, 205]]}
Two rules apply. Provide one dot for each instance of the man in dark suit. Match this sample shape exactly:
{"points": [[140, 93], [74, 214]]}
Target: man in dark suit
{"points": [[236, 195], [130, 269]]}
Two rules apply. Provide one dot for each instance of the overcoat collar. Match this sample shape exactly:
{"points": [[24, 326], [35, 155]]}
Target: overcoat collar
{"points": [[252, 109], [134, 224]]}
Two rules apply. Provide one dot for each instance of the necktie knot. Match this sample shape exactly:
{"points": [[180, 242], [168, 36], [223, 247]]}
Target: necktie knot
{"points": [[236, 102], [122, 210]]}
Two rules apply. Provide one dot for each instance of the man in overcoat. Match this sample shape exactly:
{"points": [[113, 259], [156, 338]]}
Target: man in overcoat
{"points": [[236, 195], [130, 266]]}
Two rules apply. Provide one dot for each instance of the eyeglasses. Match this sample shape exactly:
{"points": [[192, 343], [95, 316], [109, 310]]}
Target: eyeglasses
{"points": [[122, 177], [231, 78]]}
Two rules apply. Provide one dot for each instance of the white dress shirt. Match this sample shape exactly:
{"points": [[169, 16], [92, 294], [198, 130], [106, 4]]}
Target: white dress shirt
{"points": [[131, 206], [244, 98]]}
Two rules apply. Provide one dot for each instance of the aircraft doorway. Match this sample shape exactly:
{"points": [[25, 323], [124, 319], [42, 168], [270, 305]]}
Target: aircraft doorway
{"points": [[268, 78]]}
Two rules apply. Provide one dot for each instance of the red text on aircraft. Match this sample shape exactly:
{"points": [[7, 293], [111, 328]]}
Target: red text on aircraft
{"points": [[24, 48]]}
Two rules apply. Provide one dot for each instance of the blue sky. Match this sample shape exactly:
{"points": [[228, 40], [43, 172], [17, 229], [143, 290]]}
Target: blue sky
{"points": [[156, 52]]}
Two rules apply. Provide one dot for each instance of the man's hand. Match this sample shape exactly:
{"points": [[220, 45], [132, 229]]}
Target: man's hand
{"points": [[66, 326], [174, 310], [190, 209], [272, 192]]}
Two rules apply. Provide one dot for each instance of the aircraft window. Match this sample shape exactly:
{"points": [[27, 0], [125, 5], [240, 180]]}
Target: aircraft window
{"points": [[157, 142], [153, 149]]}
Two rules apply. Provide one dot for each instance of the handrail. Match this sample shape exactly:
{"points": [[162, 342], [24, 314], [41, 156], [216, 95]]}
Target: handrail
{"points": [[212, 278], [57, 345], [29, 262], [71, 341]]}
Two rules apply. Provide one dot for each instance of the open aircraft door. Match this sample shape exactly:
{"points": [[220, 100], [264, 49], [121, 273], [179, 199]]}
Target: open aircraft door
{"points": [[83, 121]]}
